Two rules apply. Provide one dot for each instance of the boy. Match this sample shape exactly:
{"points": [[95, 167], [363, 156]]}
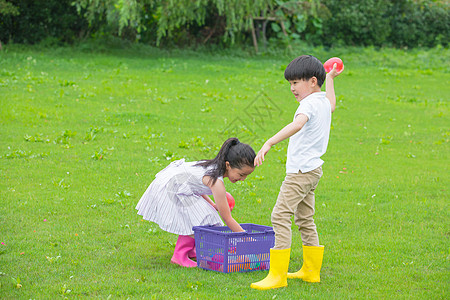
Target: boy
{"points": [[308, 139]]}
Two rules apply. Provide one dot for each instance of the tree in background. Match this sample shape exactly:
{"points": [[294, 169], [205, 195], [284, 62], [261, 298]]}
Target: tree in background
{"points": [[116, 15], [7, 9], [50, 21], [184, 21], [400, 23], [321, 22], [226, 17]]}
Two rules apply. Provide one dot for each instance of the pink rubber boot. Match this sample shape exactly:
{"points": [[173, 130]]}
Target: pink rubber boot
{"points": [[192, 253], [180, 257]]}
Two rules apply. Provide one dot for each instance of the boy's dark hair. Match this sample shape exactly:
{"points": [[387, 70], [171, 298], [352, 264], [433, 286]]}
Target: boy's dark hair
{"points": [[305, 67], [236, 153]]}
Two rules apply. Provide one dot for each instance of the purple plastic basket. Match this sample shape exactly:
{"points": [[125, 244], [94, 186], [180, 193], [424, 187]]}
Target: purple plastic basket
{"points": [[219, 249]]}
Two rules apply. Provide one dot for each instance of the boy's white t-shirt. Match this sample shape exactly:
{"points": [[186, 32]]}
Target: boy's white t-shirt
{"points": [[310, 143]]}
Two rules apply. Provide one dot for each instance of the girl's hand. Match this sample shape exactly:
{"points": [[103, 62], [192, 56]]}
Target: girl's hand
{"points": [[260, 156]]}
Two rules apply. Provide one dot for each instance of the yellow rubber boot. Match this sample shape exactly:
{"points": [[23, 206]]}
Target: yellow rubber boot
{"points": [[312, 263], [279, 263]]}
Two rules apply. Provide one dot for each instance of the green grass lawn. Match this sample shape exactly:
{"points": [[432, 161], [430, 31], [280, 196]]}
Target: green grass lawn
{"points": [[83, 134]]}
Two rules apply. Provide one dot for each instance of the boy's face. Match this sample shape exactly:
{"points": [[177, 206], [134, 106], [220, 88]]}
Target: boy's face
{"points": [[302, 88]]}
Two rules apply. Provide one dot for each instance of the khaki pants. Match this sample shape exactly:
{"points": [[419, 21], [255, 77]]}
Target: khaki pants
{"points": [[296, 198]]}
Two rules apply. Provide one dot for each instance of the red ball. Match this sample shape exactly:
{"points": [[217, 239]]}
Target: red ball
{"points": [[328, 65], [230, 200]]}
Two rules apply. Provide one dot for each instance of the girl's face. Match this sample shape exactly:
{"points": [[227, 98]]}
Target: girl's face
{"points": [[235, 174]]}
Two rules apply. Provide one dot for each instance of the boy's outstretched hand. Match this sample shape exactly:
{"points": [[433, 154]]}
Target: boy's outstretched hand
{"points": [[260, 156]]}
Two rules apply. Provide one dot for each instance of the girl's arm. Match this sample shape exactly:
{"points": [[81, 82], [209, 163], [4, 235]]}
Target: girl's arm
{"points": [[218, 190], [206, 197]]}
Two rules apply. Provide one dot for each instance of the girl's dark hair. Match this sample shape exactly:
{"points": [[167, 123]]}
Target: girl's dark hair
{"points": [[305, 67], [237, 154]]}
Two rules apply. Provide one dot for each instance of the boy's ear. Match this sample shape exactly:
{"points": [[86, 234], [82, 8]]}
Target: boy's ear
{"points": [[313, 81]]}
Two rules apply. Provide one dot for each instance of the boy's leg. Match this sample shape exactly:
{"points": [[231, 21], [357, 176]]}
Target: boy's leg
{"points": [[312, 251], [280, 253], [305, 209], [303, 218], [292, 192]]}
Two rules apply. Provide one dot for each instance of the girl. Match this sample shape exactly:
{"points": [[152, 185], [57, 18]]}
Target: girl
{"points": [[178, 198]]}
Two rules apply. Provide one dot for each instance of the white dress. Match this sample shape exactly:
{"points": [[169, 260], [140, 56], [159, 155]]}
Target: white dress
{"points": [[173, 200]]}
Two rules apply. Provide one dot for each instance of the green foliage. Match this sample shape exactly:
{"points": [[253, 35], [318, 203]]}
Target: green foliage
{"points": [[7, 8], [171, 17], [120, 13], [358, 22], [402, 23], [419, 23], [30, 22], [302, 20], [237, 14], [327, 22], [382, 22]]}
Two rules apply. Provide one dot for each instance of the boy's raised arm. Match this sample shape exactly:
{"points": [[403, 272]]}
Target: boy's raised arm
{"points": [[329, 86]]}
